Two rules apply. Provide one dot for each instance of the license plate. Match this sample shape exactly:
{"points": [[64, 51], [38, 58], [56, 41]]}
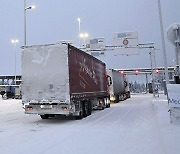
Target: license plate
{"points": [[46, 106]]}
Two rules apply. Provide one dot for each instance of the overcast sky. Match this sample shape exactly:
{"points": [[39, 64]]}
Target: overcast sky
{"points": [[55, 20]]}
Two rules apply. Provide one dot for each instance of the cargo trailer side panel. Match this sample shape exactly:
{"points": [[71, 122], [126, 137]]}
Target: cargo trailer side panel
{"points": [[118, 82], [87, 75], [118, 85], [45, 74]]}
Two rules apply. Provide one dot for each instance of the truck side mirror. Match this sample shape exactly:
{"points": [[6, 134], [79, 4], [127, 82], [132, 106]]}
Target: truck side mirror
{"points": [[109, 80], [125, 83]]}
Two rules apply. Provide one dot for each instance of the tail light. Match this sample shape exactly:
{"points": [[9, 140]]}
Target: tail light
{"points": [[29, 108], [65, 108], [100, 102]]}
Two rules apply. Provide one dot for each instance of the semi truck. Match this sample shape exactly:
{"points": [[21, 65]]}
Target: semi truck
{"points": [[60, 79], [118, 87]]}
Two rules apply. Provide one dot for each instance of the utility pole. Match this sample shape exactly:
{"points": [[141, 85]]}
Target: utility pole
{"points": [[163, 43]]}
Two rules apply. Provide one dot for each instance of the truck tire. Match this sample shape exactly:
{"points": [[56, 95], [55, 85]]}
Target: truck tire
{"points": [[107, 102], [85, 108], [45, 116], [108, 105], [80, 116], [102, 108], [117, 99], [89, 107], [81, 112], [4, 96]]}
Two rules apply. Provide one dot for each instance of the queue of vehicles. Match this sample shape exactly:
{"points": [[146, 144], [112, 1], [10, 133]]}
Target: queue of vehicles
{"points": [[60, 79]]}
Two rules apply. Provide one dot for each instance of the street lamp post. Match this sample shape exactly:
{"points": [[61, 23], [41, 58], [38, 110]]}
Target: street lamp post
{"points": [[24, 22], [79, 24], [176, 28], [163, 43], [79, 21], [26, 8], [14, 42]]}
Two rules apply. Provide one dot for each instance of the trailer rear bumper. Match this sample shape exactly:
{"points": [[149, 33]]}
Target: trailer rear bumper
{"points": [[41, 109]]}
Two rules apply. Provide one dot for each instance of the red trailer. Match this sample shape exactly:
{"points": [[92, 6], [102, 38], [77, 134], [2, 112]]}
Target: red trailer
{"points": [[61, 79]]}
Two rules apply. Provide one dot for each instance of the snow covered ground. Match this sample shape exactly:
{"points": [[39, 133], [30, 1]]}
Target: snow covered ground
{"points": [[139, 125]]}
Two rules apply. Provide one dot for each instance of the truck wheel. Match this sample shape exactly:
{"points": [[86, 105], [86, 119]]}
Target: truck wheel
{"points": [[81, 112], [117, 98], [103, 105], [108, 105], [102, 108], [45, 116], [89, 107], [80, 116], [4, 97], [107, 102], [85, 109]]}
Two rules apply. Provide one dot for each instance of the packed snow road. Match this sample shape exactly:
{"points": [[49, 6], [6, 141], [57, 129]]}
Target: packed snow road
{"points": [[138, 125]]}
